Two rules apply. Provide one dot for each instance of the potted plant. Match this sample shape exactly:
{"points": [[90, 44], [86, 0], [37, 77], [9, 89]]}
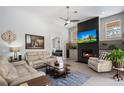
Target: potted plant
{"points": [[117, 58], [71, 45], [112, 46]]}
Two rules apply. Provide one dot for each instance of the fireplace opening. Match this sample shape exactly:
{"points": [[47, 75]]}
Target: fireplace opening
{"points": [[87, 53]]}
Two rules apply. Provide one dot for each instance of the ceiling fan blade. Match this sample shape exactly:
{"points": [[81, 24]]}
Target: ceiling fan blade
{"points": [[67, 20], [65, 24], [74, 20], [63, 18]]}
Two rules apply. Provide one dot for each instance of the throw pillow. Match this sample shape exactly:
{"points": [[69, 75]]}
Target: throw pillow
{"points": [[103, 55]]}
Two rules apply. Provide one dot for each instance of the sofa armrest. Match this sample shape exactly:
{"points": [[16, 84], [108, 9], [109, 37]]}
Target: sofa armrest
{"points": [[19, 63], [30, 63]]}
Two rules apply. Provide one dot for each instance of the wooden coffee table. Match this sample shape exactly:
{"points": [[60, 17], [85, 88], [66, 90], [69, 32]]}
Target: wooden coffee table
{"points": [[40, 81], [63, 73], [55, 71]]}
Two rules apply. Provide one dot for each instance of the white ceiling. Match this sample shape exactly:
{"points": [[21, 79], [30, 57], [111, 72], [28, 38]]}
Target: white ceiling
{"points": [[52, 13]]}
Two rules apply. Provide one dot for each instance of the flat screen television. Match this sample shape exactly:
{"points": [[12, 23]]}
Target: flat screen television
{"points": [[88, 36]]}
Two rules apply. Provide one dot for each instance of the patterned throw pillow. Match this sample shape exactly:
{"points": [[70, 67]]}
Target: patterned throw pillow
{"points": [[103, 55]]}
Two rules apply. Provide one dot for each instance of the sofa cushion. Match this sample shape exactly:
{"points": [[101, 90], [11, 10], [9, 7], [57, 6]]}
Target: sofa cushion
{"points": [[3, 82], [41, 54], [46, 54], [51, 59], [94, 63], [40, 61], [4, 70], [8, 72], [94, 59], [33, 58], [30, 69], [34, 53], [24, 70]]}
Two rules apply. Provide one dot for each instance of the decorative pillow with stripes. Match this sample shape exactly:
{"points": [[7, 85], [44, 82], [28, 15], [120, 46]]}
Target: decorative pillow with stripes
{"points": [[103, 55]]}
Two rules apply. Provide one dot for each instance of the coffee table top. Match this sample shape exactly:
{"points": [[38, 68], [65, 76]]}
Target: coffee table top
{"points": [[52, 64]]}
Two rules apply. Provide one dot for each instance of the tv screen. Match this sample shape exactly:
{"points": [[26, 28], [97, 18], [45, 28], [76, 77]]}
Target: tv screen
{"points": [[88, 36]]}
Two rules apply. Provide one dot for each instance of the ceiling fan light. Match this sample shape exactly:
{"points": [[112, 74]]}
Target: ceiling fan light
{"points": [[68, 22]]}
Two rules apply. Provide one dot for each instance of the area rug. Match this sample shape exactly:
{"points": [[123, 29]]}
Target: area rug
{"points": [[72, 79]]}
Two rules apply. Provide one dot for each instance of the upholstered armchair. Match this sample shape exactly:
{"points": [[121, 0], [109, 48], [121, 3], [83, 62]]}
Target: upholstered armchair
{"points": [[100, 64]]}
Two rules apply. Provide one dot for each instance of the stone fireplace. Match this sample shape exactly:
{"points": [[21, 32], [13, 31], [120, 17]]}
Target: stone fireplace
{"points": [[86, 50]]}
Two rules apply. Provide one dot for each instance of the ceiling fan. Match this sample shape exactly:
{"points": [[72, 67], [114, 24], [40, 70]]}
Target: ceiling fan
{"points": [[68, 20]]}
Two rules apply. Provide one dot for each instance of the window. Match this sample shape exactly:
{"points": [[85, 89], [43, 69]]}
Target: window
{"points": [[113, 29]]}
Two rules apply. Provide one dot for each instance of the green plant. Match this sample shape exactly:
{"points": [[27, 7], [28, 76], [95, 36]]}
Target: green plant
{"points": [[117, 55], [71, 45], [112, 46]]}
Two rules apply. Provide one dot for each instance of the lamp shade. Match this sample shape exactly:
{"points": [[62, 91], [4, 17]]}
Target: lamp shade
{"points": [[14, 49]]}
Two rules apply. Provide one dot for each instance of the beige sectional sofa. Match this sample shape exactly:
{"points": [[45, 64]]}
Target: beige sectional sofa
{"points": [[16, 73], [37, 58]]}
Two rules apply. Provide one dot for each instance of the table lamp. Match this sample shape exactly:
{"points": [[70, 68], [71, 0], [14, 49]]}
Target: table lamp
{"points": [[15, 50]]}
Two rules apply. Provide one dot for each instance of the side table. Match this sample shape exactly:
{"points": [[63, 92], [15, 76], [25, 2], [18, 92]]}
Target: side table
{"points": [[118, 75]]}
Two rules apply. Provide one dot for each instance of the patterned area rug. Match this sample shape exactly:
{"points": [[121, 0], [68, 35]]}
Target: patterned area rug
{"points": [[72, 79]]}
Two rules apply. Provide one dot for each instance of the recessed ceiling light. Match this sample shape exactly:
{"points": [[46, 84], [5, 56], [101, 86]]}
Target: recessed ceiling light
{"points": [[75, 11]]}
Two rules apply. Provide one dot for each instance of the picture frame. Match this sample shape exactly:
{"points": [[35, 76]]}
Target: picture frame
{"points": [[113, 29], [34, 41]]}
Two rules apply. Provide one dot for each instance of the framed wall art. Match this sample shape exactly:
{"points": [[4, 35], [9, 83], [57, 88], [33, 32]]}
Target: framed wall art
{"points": [[113, 29], [34, 41]]}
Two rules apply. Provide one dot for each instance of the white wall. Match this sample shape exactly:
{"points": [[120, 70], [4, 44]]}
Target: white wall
{"points": [[22, 22], [72, 29]]}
